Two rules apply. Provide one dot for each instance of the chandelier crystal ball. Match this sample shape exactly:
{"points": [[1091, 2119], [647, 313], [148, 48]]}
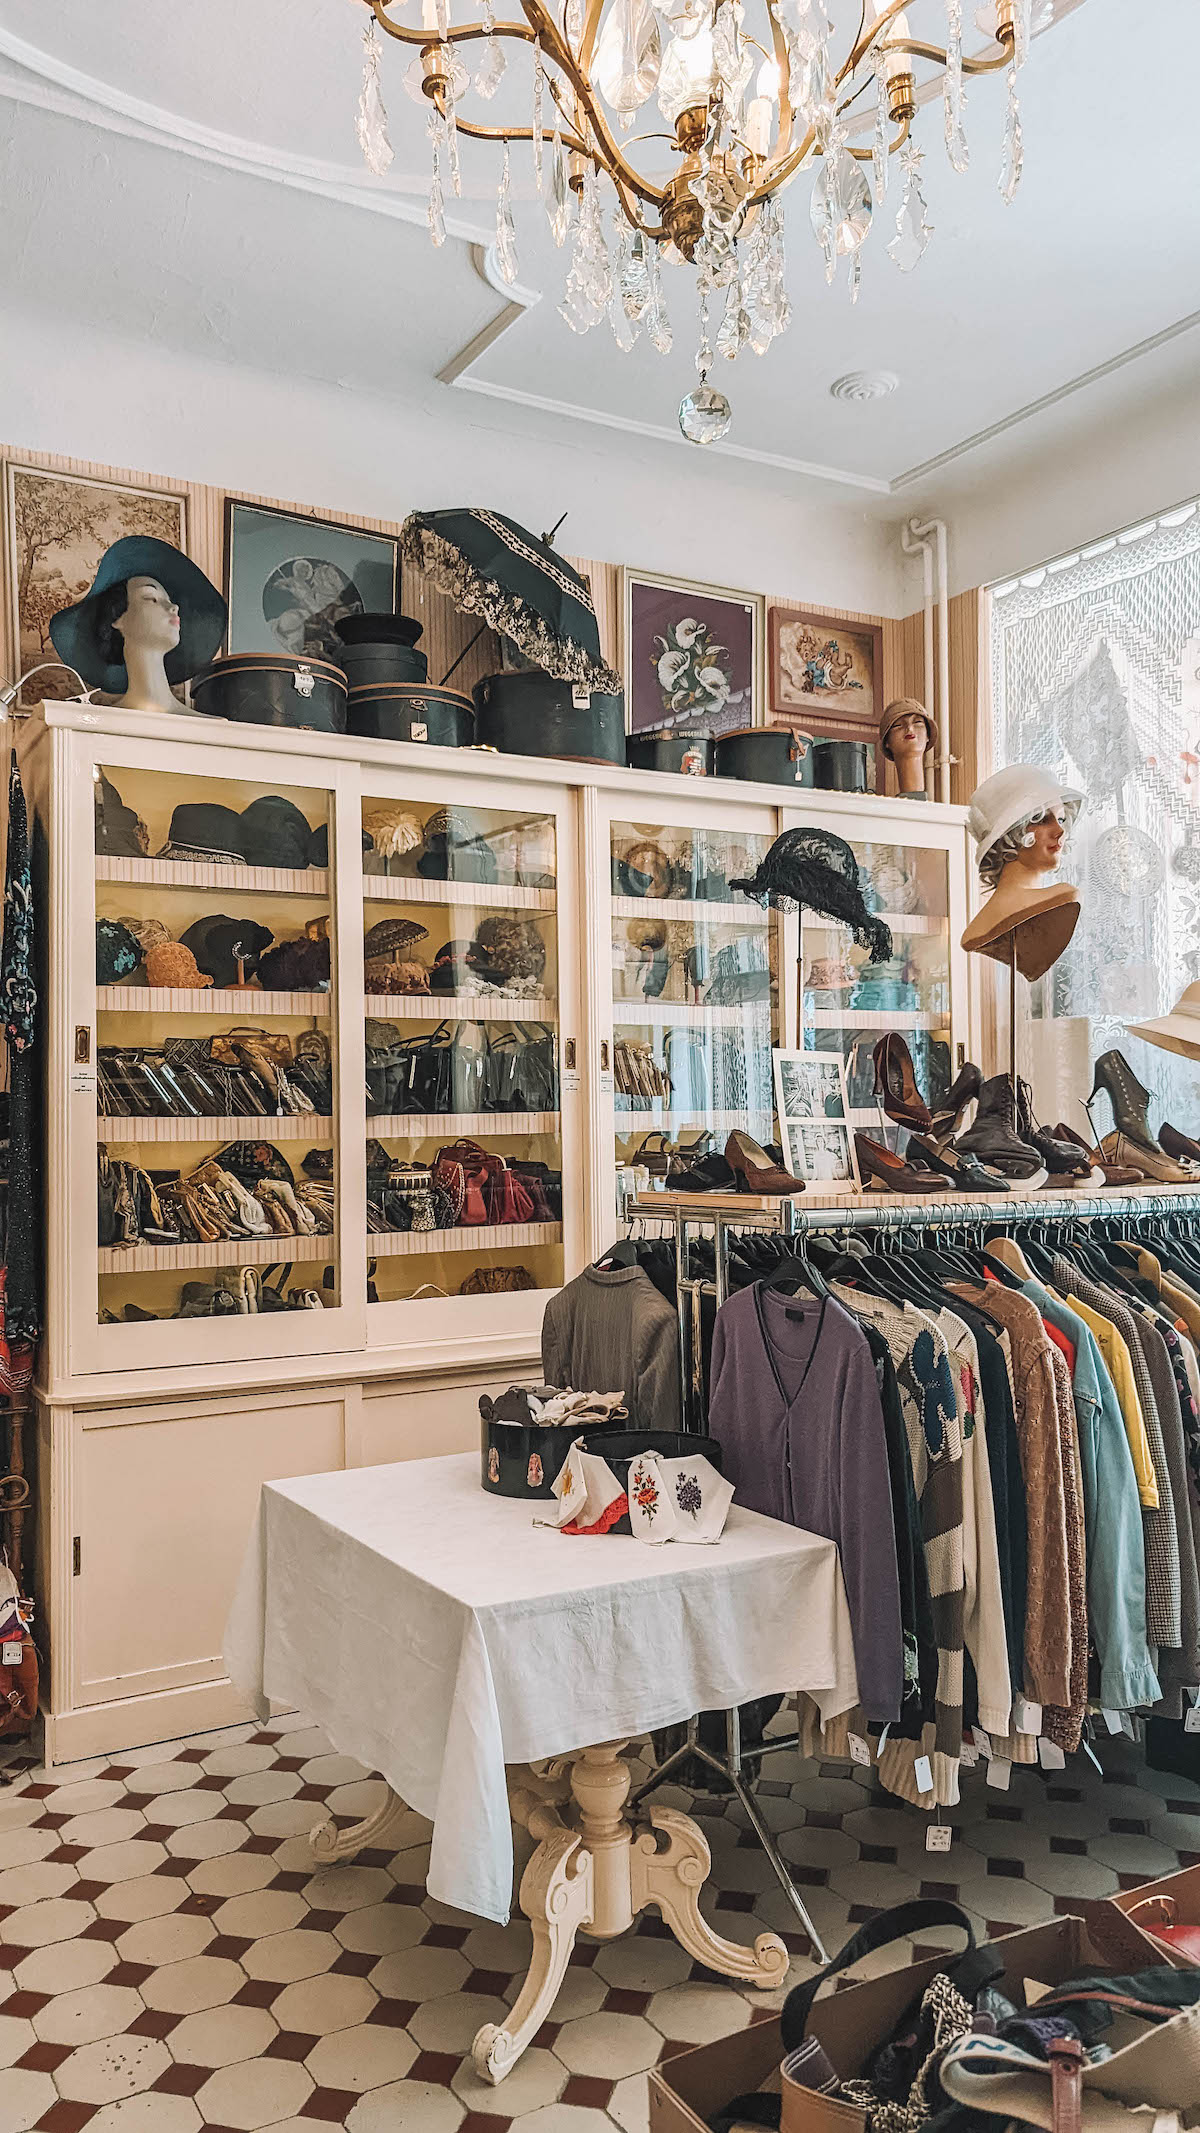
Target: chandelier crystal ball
{"points": [[662, 133]]}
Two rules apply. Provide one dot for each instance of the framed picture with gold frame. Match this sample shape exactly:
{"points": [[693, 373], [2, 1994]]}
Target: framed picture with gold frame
{"points": [[825, 672], [693, 655]]}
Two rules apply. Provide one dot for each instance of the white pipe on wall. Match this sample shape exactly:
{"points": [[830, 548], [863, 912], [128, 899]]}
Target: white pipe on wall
{"points": [[921, 531], [913, 544]]}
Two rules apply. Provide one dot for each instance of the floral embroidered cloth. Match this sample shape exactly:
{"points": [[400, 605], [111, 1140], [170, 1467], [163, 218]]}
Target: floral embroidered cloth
{"points": [[666, 1499]]}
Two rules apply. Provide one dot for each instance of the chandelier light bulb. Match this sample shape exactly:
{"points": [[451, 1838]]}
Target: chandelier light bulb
{"points": [[688, 76], [768, 83]]}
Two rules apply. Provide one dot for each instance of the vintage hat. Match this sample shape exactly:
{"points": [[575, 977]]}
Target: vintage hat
{"points": [[120, 831], [220, 944], [902, 707], [819, 872], [1177, 1032], [117, 951], [451, 968], [274, 833], [391, 936], [203, 829], [296, 966], [203, 614], [1016, 795], [172, 965]]}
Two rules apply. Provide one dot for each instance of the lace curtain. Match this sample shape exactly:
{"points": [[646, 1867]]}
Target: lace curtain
{"points": [[1095, 671]]}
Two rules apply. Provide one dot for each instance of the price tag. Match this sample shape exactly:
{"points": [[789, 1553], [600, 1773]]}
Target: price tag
{"points": [[999, 1773], [1027, 1717], [1191, 1719], [10, 1654], [570, 1081], [83, 1081], [607, 1084], [1050, 1755], [860, 1750], [923, 1774], [1112, 1720], [939, 1837], [968, 1755], [983, 1742]]}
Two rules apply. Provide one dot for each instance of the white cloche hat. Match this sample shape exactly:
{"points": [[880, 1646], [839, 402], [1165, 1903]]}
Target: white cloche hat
{"points": [[1016, 795]]}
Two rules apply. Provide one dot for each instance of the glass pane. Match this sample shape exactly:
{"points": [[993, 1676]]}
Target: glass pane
{"points": [[848, 1004], [695, 995], [215, 1048], [460, 966]]}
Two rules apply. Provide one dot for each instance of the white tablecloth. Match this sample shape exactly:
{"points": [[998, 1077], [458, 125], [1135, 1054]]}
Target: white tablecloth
{"points": [[436, 1634]]}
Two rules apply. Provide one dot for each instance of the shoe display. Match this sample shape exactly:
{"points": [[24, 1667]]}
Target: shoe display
{"points": [[881, 1166], [962, 1091], [965, 1172], [1114, 1173], [1130, 1101], [896, 1084], [1179, 1145], [1154, 1164], [993, 1137], [754, 1169], [1063, 1159]]}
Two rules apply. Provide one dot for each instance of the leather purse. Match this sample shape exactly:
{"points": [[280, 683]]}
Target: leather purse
{"points": [[508, 1197], [1158, 1916], [462, 1171]]}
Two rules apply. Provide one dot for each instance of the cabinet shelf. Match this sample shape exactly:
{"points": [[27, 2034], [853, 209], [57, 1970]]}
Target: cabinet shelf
{"points": [[896, 921], [488, 1237], [206, 1000], [223, 1251], [875, 1018], [455, 1007], [308, 1127], [744, 912], [627, 1123], [209, 874], [490, 895], [451, 1125], [703, 1016]]}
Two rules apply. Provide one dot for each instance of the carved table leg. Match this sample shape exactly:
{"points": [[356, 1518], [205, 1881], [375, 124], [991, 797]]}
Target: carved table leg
{"points": [[557, 1898], [673, 1879], [328, 1843]]}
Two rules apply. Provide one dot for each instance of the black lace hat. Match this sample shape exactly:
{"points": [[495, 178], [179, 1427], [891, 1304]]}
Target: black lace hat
{"points": [[220, 944], [816, 871]]}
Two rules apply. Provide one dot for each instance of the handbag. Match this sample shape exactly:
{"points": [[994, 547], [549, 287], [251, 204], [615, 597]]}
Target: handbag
{"points": [[468, 1056], [1158, 1917], [497, 1281], [508, 1196], [462, 1172]]}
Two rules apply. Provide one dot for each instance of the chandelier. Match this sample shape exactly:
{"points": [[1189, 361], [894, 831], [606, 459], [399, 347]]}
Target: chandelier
{"points": [[744, 105]]}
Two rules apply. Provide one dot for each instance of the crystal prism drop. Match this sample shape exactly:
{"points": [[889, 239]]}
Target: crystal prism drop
{"points": [[855, 276], [879, 142], [494, 64], [506, 235], [841, 205], [573, 23], [1021, 27], [628, 56], [734, 329], [1013, 160], [539, 93], [371, 120], [704, 415], [733, 55], [589, 284], [953, 94], [452, 148], [558, 201], [913, 230], [436, 215], [632, 272], [658, 325]]}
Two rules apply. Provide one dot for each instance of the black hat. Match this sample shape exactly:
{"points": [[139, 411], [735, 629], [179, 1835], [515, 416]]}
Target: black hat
{"points": [[451, 968], [275, 834], [203, 829], [819, 872], [120, 832], [296, 966], [220, 944], [79, 638], [117, 952]]}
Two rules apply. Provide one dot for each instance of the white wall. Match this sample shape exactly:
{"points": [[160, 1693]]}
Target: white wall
{"points": [[72, 389]]}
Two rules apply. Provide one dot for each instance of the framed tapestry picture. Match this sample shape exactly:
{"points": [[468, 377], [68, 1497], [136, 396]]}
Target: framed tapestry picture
{"points": [[826, 673], [59, 526], [289, 579], [693, 655], [814, 1123]]}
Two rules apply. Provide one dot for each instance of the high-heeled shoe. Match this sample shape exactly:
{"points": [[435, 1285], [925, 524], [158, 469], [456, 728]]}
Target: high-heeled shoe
{"points": [[1179, 1145], [961, 1092], [754, 1169], [964, 1172], [1129, 1100], [896, 1084], [1114, 1173], [881, 1166]]}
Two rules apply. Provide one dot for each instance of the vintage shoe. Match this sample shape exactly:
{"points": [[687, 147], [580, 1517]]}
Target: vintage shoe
{"points": [[1063, 1159], [965, 1172], [993, 1138], [1114, 1173], [880, 1166], [708, 1173], [1125, 1093], [1160, 1169], [754, 1169], [961, 1092], [896, 1084], [1178, 1145]]}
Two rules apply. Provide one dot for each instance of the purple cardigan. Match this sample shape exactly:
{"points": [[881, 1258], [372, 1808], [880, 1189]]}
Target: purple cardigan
{"points": [[795, 1407]]}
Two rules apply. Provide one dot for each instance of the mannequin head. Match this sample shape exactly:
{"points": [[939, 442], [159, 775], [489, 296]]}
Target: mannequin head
{"points": [[1019, 818], [136, 614], [151, 620], [1034, 844], [906, 735]]}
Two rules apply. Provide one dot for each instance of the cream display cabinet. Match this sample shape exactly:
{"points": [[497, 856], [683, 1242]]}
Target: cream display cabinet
{"points": [[593, 982]]}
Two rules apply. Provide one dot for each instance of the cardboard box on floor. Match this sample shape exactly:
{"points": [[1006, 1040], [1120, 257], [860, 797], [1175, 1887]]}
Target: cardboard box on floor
{"points": [[1120, 1937], [688, 2091]]}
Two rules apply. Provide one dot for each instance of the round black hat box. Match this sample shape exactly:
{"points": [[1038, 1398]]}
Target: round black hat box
{"points": [[268, 689], [840, 766], [689, 755], [535, 714], [409, 711], [379, 628], [363, 664], [767, 755]]}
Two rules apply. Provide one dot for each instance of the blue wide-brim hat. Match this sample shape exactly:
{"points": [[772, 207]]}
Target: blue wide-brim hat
{"points": [[202, 613]]}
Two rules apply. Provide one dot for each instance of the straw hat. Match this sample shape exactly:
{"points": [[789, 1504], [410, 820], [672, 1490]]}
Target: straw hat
{"points": [[1177, 1032]]}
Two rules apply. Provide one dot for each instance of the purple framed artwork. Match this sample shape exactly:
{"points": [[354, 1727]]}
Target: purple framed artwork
{"points": [[693, 656]]}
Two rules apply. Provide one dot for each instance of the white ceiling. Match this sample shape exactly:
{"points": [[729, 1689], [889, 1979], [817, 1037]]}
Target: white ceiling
{"points": [[192, 176]]}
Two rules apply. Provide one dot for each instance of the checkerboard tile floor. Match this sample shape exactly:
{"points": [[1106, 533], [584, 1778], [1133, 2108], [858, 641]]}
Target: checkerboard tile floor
{"points": [[170, 1960]]}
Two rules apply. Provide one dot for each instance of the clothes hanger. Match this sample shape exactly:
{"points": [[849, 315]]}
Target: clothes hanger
{"points": [[623, 1253]]}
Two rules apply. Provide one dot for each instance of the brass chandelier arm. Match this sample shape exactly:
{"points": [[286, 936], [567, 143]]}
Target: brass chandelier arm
{"points": [[570, 141], [454, 35], [935, 52], [605, 150]]}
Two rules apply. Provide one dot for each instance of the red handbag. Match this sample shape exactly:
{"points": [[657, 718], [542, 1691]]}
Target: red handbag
{"points": [[462, 1170], [508, 1198], [1158, 1918]]}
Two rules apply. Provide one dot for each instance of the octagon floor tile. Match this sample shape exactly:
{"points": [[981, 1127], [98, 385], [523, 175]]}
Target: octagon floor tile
{"points": [[254, 2094], [361, 2058]]}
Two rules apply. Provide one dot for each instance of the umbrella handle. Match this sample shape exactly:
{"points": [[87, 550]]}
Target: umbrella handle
{"points": [[468, 647]]}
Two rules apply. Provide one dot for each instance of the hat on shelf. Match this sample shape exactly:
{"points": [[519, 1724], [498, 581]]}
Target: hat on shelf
{"points": [[227, 948], [818, 871], [147, 932], [171, 964], [274, 833], [79, 634], [118, 952], [1017, 794], [204, 830], [120, 831], [391, 936], [902, 707], [296, 966], [451, 968], [1177, 1032], [392, 830]]}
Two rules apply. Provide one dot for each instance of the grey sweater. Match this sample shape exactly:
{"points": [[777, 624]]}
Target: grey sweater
{"points": [[612, 1332]]}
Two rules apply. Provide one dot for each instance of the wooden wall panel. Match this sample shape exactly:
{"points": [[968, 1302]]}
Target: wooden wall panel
{"points": [[967, 709]]}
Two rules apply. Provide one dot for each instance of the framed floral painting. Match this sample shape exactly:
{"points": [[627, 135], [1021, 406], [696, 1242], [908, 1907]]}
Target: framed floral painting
{"points": [[825, 673], [693, 656]]}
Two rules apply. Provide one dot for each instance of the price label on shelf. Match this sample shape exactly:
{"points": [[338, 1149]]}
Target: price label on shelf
{"points": [[1191, 1719], [938, 1837], [83, 1081], [860, 1750]]}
